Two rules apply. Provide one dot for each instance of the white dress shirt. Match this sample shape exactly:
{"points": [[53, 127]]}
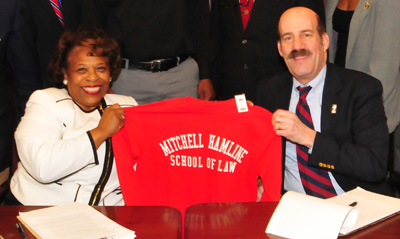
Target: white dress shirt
{"points": [[292, 179]]}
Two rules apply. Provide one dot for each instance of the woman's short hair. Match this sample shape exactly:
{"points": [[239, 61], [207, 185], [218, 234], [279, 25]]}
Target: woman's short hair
{"points": [[103, 46]]}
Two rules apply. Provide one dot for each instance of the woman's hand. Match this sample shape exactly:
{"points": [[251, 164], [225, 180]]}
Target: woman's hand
{"points": [[111, 122]]}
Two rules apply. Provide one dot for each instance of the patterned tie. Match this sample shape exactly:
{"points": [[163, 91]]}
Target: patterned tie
{"points": [[315, 181], [57, 9], [245, 9]]}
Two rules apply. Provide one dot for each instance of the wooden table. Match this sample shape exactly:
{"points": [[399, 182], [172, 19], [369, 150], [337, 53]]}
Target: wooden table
{"points": [[147, 221], [210, 220], [249, 220]]}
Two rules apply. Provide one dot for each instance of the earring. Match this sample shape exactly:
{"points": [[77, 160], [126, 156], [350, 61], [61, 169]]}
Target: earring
{"points": [[65, 82], [110, 79]]}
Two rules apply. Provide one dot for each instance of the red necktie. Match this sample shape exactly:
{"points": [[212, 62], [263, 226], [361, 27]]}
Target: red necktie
{"points": [[315, 181], [245, 10], [57, 9]]}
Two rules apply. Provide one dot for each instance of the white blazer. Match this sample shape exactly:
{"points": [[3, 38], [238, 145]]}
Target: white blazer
{"points": [[58, 159]]}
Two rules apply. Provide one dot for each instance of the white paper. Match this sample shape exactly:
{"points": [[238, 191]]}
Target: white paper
{"points": [[301, 216], [371, 207], [74, 221]]}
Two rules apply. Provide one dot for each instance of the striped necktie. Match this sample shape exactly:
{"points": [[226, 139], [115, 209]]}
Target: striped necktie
{"points": [[245, 10], [316, 182], [57, 9]]}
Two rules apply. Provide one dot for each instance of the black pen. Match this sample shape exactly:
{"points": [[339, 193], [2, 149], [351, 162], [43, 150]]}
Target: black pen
{"points": [[353, 204], [21, 230]]}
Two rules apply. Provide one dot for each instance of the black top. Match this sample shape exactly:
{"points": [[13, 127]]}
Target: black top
{"points": [[154, 29], [341, 24]]}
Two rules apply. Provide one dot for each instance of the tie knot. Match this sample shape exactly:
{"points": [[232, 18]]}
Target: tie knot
{"points": [[304, 91]]}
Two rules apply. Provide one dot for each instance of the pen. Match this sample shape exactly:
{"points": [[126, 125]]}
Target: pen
{"points": [[21, 230], [353, 204]]}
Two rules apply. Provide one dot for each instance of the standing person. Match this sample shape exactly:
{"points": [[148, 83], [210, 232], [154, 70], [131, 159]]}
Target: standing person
{"points": [[368, 41], [51, 18], [64, 138], [164, 45], [244, 34], [16, 54], [332, 119]]}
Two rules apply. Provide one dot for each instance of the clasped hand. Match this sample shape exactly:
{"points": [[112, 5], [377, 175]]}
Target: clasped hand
{"points": [[112, 120], [288, 125]]}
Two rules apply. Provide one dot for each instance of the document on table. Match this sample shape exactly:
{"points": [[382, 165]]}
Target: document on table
{"points": [[73, 221], [302, 216], [299, 216], [372, 207]]}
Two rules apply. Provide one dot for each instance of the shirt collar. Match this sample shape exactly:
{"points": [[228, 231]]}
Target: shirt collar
{"points": [[316, 82]]}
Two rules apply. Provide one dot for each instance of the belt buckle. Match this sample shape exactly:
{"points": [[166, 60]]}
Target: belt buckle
{"points": [[155, 66]]}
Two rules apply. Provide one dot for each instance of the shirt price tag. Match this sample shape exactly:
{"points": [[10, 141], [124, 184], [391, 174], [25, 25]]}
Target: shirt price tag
{"points": [[241, 103]]}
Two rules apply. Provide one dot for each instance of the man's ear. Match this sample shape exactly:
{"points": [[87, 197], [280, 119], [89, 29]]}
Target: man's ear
{"points": [[325, 40], [279, 47]]}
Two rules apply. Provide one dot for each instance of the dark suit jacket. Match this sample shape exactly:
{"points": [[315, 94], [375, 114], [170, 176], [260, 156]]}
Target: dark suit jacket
{"points": [[48, 29], [16, 53], [243, 57], [355, 139]]}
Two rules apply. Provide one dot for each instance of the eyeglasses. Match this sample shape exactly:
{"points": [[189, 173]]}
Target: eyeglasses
{"points": [[231, 5]]}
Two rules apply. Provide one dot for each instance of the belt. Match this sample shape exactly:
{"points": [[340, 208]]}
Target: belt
{"points": [[155, 65]]}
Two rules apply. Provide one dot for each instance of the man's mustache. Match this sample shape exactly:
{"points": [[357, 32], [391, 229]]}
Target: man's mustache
{"points": [[301, 52]]}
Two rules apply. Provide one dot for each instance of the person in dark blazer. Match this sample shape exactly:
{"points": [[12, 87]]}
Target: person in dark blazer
{"points": [[18, 73], [351, 138], [48, 29], [244, 56], [164, 46]]}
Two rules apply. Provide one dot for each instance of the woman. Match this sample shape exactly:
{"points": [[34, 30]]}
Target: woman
{"points": [[64, 138], [368, 41]]}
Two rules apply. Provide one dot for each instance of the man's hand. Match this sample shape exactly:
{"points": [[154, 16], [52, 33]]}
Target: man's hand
{"points": [[205, 90], [288, 125]]}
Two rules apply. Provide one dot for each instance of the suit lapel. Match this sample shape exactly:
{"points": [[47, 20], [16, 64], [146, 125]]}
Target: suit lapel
{"points": [[284, 91], [232, 10], [331, 88], [359, 14], [47, 7], [253, 12], [331, 7]]}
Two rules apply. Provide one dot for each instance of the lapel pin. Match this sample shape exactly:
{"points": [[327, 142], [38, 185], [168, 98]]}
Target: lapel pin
{"points": [[334, 108], [366, 5]]}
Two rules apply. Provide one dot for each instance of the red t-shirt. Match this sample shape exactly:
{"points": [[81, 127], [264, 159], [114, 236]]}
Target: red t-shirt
{"points": [[185, 151]]}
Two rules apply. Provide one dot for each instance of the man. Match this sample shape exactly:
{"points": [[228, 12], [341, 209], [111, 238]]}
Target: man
{"points": [[164, 45], [244, 36], [49, 27], [348, 146], [16, 55]]}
